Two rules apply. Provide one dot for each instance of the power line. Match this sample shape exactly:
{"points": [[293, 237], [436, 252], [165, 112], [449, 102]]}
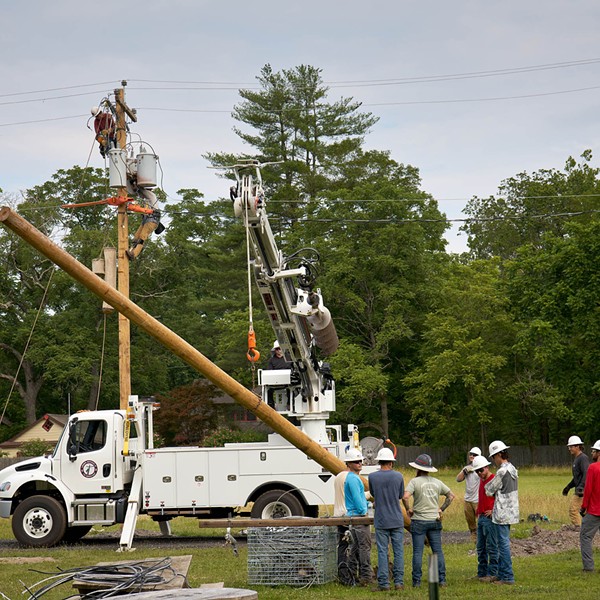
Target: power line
{"points": [[217, 85], [50, 98], [380, 200], [465, 220], [275, 112], [336, 83], [356, 200], [396, 221], [57, 89], [43, 120], [396, 80], [492, 99], [471, 75], [400, 103]]}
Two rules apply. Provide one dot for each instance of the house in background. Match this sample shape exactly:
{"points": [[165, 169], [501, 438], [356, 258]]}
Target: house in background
{"points": [[48, 428], [234, 414]]}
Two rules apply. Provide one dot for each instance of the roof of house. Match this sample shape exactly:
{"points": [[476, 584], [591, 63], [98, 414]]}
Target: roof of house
{"points": [[37, 430]]}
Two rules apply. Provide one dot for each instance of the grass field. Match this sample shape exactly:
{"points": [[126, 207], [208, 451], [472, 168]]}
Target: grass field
{"points": [[551, 577]]}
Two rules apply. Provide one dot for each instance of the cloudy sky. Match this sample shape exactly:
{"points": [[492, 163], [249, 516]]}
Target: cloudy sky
{"points": [[470, 92]]}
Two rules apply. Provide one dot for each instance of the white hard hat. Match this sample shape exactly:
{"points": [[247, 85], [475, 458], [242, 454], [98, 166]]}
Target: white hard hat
{"points": [[385, 454], [497, 446], [475, 450], [479, 462], [596, 446], [275, 345], [353, 455], [574, 440]]}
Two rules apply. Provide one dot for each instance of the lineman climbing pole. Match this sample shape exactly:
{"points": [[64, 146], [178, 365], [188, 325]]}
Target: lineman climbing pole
{"points": [[122, 109], [125, 175]]}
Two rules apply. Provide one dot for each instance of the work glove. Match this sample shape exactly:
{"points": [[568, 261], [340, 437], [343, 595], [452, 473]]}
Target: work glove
{"points": [[565, 492], [582, 512]]}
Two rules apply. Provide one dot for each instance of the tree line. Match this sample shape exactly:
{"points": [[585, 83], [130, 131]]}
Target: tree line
{"points": [[437, 349]]}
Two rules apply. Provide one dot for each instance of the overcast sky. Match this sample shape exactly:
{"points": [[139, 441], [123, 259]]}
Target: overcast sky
{"points": [[526, 97]]}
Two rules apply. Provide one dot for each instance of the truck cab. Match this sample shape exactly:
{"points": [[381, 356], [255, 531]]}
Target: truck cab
{"points": [[84, 482]]}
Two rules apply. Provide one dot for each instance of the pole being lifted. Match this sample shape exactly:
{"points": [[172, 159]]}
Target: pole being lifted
{"points": [[121, 110], [170, 340]]}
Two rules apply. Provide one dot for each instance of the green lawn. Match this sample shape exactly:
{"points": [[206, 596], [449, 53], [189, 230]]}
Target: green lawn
{"points": [[551, 577]]}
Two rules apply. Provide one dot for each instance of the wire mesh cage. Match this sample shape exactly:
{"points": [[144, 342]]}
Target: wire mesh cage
{"points": [[294, 556]]}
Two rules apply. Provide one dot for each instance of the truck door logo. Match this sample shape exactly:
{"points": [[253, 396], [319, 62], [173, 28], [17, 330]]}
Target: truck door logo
{"points": [[88, 469]]}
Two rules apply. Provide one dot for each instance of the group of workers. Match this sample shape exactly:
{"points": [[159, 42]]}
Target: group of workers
{"points": [[386, 487], [491, 506]]}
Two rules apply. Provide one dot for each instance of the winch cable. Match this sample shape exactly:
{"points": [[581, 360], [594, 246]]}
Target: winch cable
{"points": [[253, 355]]}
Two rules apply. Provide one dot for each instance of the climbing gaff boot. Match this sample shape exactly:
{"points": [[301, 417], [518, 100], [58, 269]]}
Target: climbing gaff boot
{"points": [[141, 235]]}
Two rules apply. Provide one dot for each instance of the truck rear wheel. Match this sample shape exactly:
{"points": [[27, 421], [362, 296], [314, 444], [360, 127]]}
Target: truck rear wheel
{"points": [[276, 504], [39, 521]]}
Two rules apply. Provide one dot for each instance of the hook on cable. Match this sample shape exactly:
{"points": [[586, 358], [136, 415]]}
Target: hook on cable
{"points": [[253, 355]]}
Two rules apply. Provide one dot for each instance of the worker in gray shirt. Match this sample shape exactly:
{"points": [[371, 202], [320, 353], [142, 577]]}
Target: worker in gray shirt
{"points": [[471, 480]]}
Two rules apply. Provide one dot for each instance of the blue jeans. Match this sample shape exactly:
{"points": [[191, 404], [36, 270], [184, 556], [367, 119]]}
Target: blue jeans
{"points": [[383, 537], [505, 569], [432, 530], [487, 547]]}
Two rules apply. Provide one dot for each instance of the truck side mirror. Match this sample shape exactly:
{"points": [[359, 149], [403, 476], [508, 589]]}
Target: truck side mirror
{"points": [[72, 442]]}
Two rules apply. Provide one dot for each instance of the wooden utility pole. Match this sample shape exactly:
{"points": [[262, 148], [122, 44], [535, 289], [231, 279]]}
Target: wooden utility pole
{"points": [[122, 109]]}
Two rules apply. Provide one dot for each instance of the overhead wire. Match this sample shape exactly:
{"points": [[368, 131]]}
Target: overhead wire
{"points": [[565, 214], [42, 120], [46, 99], [333, 84], [401, 80], [57, 89], [398, 103], [361, 82]]}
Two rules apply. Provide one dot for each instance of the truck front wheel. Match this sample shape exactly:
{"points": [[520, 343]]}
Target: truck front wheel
{"points": [[276, 504], [39, 521]]}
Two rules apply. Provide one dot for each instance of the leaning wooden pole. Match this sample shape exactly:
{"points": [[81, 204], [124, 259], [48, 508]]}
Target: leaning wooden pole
{"points": [[170, 340]]}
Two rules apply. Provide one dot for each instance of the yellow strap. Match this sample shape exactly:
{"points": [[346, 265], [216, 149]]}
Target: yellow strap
{"points": [[126, 437]]}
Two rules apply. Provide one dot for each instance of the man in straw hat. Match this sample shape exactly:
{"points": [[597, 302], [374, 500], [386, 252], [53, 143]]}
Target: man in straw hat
{"points": [[426, 515]]}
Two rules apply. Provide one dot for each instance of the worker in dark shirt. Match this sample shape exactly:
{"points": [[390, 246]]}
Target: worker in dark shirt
{"points": [[277, 359], [580, 466]]}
